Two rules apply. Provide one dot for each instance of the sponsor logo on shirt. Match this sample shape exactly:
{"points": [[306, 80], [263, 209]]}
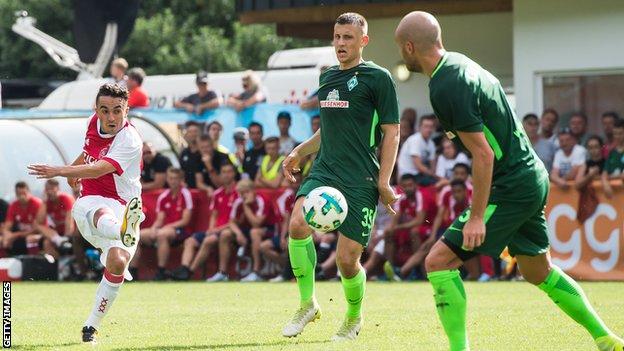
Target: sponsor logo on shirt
{"points": [[333, 100]]}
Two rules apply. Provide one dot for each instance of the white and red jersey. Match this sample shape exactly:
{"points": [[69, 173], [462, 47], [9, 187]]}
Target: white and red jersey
{"points": [[407, 207], [259, 207], [174, 206], [286, 203], [447, 190], [23, 216], [222, 202], [455, 208], [124, 151], [57, 210]]}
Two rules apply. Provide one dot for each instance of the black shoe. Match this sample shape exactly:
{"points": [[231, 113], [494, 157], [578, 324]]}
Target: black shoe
{"points": [[88, 334], [181, 273], [161, 275]]}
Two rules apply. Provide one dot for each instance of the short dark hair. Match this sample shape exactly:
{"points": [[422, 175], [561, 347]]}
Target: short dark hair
{"points": [[113, 90], [214, 123], [595, 137], [137, 74], [52, 182], [354, 19], [175, 170], [227, 164], [551, 111], [21, 185], [462, 165], [619, 123], [579, 114], [458, 182], [205, 137], [315, 116], [272, 139], [284, 115], [430, 117], [256, 124], [191, 124], [529, 116], [611, 114], [408, 176]]}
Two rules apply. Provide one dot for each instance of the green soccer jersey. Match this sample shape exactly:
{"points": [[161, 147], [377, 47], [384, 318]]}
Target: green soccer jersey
{"points": [[615, 162], [354, 103], [467, 98]]}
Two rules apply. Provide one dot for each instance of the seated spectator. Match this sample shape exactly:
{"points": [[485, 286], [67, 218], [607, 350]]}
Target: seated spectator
{"points": [[118, 70], [207, 176], [417, 155], [21, 232], [287, 143], [137, 95], [4, 207], [253, 156], [252, 93], [608, 123], [315, 124], [201, 101], [190, 157], [155, 165], [57, 207], [203, 243], [594, 165], [270, 174], [408, 124], [544, 148], [578, 127], [614, 166], [447, 160], [549, 123], [461, 171], [252, 217], [568, 159]]}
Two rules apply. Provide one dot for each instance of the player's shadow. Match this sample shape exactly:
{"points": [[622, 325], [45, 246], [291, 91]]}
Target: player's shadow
{"points": [[222, 346], [46, 346]]}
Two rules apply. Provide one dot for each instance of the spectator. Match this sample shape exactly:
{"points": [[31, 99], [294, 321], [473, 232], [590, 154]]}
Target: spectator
{"points": [[593, 166], [287, 143], [201, 101], [118, 70], [214, 130], [155, 165], [312, 101], [220, 210], [447, 160], [578, 127], [568, 159], [549, 122], [544, 148], [253, 156], [315, 123], [252, 93], [270, 175], [190, 157], [173, 215], [417, 155], [137, 95], [207, 176], [408, 122], [4, 207], [608, 122], [57, 207], [21, 233], [252, 217], [241, 137], [614, 166]]}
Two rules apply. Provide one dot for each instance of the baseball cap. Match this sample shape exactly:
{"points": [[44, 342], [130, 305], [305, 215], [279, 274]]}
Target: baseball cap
{"points": [[241, 133], [201, 77]]}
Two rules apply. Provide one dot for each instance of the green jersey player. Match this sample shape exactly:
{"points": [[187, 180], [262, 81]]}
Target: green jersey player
{"points": [[359, 113], [510, 186]]}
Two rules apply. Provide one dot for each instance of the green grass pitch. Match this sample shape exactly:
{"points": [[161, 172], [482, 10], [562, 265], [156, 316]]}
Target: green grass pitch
{"points": [[237, 316]]}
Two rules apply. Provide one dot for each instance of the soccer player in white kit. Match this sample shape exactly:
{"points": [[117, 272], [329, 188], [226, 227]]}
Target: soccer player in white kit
{"points": [[109, 210]]}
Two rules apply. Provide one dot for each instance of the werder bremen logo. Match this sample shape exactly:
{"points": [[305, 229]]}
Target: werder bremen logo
{"points": [[333, 100], [352, 83]]}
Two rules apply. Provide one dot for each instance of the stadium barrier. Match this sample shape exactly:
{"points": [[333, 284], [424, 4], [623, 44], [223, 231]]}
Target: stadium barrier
{"points": [[591, 249]]}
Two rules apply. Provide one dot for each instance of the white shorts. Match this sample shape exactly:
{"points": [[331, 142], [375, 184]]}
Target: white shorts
{"points": [[83, 211]]}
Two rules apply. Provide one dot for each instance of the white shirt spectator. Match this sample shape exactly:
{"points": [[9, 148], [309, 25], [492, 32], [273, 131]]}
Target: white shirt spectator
{"points": [[444, 166], [565, 163], [415, 145]]}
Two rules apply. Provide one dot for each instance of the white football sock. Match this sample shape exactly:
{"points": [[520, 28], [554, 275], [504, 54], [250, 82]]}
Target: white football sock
{"points": [[104, 296], [59, 240], [109, 226]]}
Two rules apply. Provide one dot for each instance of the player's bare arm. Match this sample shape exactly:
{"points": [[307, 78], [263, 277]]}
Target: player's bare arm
{"points": [[73, 182], [85, 171], [182, 222], [482, 168], [293, 160], [415, 222], [389, 147]]}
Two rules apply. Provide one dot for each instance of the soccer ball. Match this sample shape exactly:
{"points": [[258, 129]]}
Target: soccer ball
{"points": [[325, 208]]}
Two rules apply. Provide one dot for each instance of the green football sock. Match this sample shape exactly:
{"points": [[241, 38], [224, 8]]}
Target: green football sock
{"points": [[569, 296], [450, 299], [354, 293], [303, 261]]}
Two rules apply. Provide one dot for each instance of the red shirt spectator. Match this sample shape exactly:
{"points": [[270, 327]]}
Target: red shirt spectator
{"points": [[222, 202], [285, 203], [174, 206], [260, 207], [58, 210], [21, 216], [455, 208], [137, 96]]}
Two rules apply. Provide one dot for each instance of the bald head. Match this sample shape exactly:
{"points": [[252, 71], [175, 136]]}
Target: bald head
{"points": [[420, 28]]}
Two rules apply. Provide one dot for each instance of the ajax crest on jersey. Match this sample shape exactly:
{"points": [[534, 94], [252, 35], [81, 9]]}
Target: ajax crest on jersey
{"points": [[324, 209]]}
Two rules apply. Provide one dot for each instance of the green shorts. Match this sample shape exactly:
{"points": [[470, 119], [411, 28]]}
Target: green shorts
{"points": [[516, 223], [362, 203]]}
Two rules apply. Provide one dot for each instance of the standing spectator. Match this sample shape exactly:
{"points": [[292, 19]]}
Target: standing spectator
{"points": [[201, 101], [214, 130], [252, 93], [608, 123], [155, 165], [20, 233], [253, 156], [57, 206], [270, 174], [287, 143], [173, 215], [312, 102], [594, 165], [241, 137], [315, 124], [568, 159], [578, 127], [207, 176], [544, 148], [408, 122], [549, 122], [190, 157], [118, 70], [447, 160], [614, 167], [220, 210], [417, 155], [137, 95]]}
